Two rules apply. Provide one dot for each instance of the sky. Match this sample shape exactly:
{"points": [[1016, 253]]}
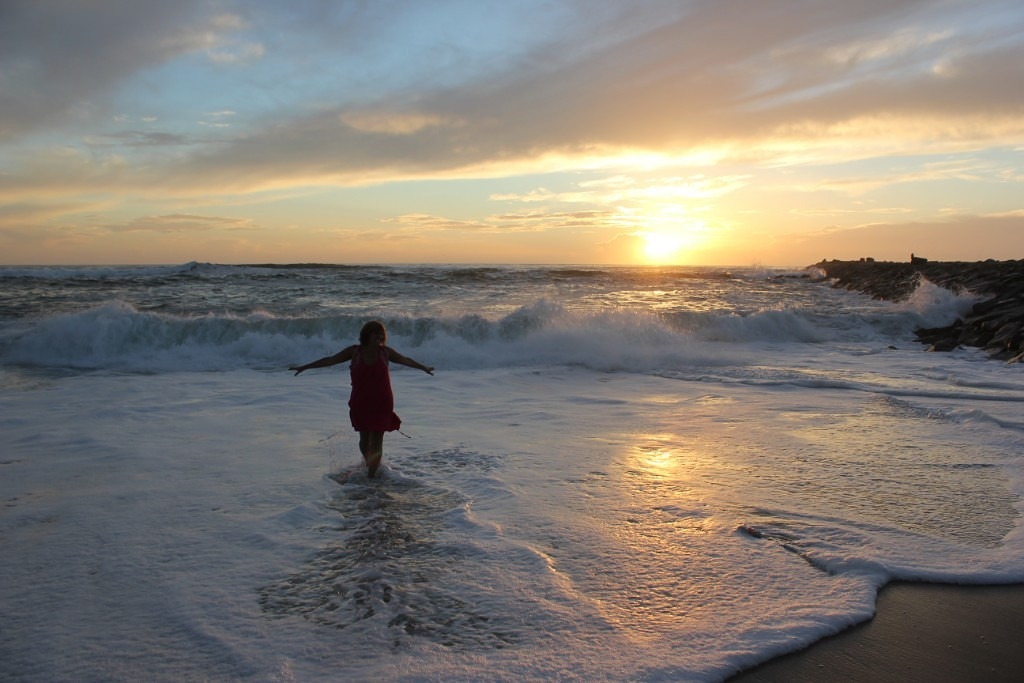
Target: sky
{"points": [[699, 132]]}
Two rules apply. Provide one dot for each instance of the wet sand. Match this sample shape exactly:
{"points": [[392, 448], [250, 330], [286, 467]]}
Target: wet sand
{"points": [[921, 632]]}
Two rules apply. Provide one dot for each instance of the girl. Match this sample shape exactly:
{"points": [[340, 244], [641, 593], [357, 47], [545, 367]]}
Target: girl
{"points": [[371, 404]]}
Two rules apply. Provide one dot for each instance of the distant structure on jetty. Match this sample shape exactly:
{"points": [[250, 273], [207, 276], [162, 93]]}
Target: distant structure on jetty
{"points": [[995, 324]]}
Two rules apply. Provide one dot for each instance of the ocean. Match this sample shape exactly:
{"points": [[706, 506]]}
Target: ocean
{"points": [[615, 474]]}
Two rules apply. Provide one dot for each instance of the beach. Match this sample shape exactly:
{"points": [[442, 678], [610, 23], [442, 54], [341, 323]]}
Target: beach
{"points": [[921, 633], [614, 473]]}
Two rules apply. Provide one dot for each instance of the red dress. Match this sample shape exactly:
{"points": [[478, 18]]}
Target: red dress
{"points": [[371, 407]]}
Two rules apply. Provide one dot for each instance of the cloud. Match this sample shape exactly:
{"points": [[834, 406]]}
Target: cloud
{"points": [[770, 82], [506, 223], [61, 60], [136, 138], [421, 222], [237, 55], [858, 211], [963, 169], [218, 119], [1016, 213], [16, 215], [370, 121], [182, 223]]}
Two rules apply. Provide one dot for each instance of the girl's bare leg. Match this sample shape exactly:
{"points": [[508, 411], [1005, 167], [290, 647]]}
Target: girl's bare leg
{"points": [[371, 445]]}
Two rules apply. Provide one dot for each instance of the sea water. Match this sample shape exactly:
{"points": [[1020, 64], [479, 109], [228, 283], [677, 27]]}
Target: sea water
{"points": [[650, 474]]}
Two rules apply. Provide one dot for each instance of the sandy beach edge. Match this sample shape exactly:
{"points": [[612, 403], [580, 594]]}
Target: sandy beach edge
{"points": [[920, 632]]}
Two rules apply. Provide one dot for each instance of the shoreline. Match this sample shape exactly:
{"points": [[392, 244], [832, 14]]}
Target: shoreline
{"points": [[920, 632]]}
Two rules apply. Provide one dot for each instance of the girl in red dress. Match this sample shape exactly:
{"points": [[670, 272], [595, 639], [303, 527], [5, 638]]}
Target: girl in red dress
{"points": [[371, 407]]}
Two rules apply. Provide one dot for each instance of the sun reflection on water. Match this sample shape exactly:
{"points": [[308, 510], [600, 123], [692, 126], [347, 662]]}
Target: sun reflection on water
{"points": [[646, 534]]}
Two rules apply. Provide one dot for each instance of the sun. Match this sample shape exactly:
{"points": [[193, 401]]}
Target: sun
{"points": [[662, 247]]}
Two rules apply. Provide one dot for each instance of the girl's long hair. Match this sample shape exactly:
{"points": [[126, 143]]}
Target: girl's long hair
{"points": [[369, 328]]}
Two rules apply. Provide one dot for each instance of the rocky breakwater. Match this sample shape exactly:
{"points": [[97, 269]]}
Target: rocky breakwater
{"points": [[995, 324]]}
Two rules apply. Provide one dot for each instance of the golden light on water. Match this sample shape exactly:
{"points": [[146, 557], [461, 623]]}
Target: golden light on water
{"points": [[664, 467], [656, 460], [649, 532]]}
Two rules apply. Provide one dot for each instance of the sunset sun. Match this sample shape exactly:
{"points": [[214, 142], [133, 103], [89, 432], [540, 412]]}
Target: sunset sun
{"points": [[662, 247], [669, 245]]}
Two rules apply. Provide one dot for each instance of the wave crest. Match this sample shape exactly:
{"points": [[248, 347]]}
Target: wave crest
{"points": [[117, 336]]}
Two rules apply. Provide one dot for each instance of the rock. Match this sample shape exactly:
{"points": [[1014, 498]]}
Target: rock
{"points": [[995, 324]]}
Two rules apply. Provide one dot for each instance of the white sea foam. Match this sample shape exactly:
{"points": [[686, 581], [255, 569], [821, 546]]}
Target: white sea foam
{"points": [[116, 335], [938, 305]]}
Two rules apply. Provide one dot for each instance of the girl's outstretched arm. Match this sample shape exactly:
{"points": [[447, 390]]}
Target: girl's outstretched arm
{"points": [[396, 357], [327, 361]]}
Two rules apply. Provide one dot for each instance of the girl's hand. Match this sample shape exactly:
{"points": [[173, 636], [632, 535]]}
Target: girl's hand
{"points": [[297, 368]]}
